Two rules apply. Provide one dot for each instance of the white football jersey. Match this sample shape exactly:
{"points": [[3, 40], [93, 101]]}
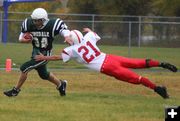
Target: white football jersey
{"points": [[86, 52]]}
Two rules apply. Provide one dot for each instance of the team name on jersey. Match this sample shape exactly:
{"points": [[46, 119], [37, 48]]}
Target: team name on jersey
{"points": [[40, 34]]}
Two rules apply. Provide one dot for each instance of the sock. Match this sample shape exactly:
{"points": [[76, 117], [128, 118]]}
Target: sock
{"points": [[58, 86], [146, 82], [153, 63]]}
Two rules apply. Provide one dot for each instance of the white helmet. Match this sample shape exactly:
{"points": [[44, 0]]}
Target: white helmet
{"points": [[76, 36], [39, 13]]}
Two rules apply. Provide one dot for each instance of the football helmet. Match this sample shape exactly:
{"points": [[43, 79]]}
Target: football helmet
{"points": [[39, 13], [76, 36]]}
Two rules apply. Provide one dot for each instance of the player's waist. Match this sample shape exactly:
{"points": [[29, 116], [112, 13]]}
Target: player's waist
{"points": [[97, 63], [37, 51]]}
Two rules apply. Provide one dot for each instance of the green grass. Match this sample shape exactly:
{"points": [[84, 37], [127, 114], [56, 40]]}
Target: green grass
{"points": [[20, 53], [90, 97]]}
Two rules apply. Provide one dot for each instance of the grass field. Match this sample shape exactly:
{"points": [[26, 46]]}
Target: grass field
{"points": [[90, 96], [20, 53]]}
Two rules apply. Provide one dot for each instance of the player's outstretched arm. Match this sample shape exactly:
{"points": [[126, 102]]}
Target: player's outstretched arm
{"points": [[41, 57]]}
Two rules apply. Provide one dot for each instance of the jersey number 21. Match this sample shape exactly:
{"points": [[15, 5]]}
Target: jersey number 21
{"points": [[86, 52]]}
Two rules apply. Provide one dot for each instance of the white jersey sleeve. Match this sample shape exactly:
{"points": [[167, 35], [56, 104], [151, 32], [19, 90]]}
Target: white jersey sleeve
{"points": [[66, 54], [92, 36]]}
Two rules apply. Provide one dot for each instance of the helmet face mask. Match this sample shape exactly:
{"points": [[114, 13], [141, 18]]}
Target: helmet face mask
{"points": [[76, 36], [38, 22]]}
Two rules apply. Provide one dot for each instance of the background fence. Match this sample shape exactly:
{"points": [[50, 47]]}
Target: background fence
{"points": [[114, 29]]}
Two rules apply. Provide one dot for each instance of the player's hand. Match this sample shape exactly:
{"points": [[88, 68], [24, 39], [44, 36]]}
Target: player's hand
{"points": [[39, 57], [87, 30], [68, 40], [26, 40]]}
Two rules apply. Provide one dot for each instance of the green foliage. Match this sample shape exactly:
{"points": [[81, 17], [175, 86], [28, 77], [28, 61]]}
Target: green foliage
{"points": [[126, 7], [83, 6], [29, 7], [116, 7], [166, 7], [110, 7]]}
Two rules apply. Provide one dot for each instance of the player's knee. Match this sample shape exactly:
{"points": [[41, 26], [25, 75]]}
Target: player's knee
{"points": [[135, 80], [23, 69], [147, 63], [44, 76]]}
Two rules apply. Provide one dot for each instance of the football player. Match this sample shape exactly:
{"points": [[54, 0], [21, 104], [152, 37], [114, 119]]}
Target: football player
{"points": [[85, 51], [43, 31]]}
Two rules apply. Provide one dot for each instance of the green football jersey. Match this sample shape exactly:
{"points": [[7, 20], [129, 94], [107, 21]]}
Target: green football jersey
{"points": [[43, 38]]}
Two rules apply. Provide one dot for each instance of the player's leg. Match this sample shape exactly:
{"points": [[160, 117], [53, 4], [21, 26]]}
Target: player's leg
{"points": [[22, 79], [144, 63], [154, 63], [136, 62], [112, 68], [25, 68], [60, 84], [129, 76]]}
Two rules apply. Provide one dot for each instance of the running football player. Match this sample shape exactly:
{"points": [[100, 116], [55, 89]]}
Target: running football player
{"points": [[43, 31]]}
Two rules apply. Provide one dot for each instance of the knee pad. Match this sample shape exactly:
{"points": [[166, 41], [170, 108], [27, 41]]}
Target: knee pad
{"points": [[147, 63]]}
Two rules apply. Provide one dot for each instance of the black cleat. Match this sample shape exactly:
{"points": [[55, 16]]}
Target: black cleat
{"points": [[13, 92], [168, 66], [62, 88], [161, 90]]}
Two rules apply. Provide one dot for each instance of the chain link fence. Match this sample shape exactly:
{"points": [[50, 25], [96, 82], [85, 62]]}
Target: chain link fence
{"points": [[151, 31]]}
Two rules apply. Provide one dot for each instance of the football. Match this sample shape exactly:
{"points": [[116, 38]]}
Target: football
{"points": [[28, 36]]}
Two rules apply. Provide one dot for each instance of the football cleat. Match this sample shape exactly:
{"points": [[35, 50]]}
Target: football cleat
{"points": [[168, 66], [161, 90], [13, 92], [62, 88]]}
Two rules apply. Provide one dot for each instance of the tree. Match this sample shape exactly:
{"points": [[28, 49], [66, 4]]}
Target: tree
{"points": [[166, 7]]}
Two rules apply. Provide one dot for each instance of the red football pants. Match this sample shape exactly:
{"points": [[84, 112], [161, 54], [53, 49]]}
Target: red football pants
{"points": [[118, 67]]}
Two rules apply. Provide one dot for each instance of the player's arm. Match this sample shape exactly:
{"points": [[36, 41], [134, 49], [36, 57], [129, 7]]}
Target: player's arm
{"points": [[65, 56], [62, 29], [41, 57], [24, 37], [91, 34]]}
